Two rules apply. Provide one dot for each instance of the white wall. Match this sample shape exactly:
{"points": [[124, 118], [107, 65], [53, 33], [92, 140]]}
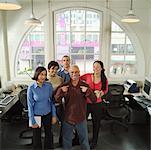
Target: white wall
{"points": [[148, 68]]}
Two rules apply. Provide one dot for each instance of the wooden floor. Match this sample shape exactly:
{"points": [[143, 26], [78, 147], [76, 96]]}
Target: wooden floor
{"points": [[137, 137]]}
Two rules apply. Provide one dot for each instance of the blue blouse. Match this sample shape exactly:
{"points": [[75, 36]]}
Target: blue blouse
{"points": [[40, 101]]}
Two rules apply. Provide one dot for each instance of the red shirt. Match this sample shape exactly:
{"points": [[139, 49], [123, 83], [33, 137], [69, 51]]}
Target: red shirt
{"points": [[94, 86]]}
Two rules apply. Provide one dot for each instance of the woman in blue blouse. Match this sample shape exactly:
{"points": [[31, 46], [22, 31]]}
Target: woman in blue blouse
{"points": [[40, 105]]}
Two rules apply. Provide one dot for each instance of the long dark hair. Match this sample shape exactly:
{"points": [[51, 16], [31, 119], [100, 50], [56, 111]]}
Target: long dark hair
{"points": [[103, 76], [38, 71]]}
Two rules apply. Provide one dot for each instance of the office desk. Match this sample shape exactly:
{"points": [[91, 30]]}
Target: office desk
{"points": [[138, 110], [126, 93], [4, 109], [143, 102]]}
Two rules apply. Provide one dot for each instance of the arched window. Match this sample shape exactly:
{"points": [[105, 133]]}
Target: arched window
{"points": [[78, 34], [122, 55], [31, 52]]}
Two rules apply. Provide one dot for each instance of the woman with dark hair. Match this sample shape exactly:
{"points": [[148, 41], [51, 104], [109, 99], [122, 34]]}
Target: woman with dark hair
{"points": [[53, 77], [41, 109], [99, 84]]}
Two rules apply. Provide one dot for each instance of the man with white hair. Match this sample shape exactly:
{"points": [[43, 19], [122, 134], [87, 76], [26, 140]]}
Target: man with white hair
{"points": [[75, 93]]}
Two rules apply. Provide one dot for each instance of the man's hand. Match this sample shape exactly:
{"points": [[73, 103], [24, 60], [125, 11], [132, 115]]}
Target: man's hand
{"points": [[54, 120], [83, 88], [65, 88], [35, 125]]}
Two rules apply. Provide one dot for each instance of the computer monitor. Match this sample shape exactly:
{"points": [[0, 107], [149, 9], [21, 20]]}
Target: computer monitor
{"points": [[147, 88]]}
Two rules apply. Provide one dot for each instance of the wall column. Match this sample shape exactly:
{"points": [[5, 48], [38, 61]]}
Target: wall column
{"points": [[6, 65]]}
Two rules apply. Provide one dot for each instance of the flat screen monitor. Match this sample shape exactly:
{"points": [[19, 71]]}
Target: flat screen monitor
{"points": [[147, 88]]}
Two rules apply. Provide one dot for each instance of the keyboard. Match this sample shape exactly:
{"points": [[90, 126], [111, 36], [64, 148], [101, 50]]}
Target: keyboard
{"points": [[140, 97], [147, 101], [143, 99], [7, 100]]}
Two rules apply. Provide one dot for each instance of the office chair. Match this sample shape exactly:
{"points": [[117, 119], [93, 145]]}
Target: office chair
{"points": [[117, 110], [23, 99]]}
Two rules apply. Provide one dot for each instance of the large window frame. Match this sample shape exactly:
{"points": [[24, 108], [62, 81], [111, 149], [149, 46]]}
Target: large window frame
{"points": [[82, 52]]}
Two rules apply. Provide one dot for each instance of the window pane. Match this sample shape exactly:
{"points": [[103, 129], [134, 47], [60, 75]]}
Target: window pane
{"points": [[37, 60], [31, 53], [118, 38], [63, 21], [92, 21], [78, 39], [62, 44], [123, 56], [80, 43], [115, 27], [78, 20], [92, 42]]}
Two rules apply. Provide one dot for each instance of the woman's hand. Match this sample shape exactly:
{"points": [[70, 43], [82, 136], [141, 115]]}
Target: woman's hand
{"points": [[35, 126], [101, 93], [54, 120], [98, 93]]}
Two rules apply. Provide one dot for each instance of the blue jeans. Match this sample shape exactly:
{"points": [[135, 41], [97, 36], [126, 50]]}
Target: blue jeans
{"points": [[82, 133]]}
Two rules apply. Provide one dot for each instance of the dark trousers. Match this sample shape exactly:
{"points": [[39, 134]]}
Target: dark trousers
{"points": [[48, 139], [97, 114], [60, 115]]}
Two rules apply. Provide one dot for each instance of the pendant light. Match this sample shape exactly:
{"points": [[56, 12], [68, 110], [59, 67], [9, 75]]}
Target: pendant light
{"points": [[9, 5], [131, 17], [32, 20]]}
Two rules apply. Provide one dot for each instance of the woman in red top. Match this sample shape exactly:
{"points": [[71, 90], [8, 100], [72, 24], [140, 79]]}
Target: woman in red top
{"points": [[99, 84]]}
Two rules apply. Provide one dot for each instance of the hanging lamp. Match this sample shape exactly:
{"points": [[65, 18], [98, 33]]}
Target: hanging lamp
{"points": [[32, 20], [130, 17], [9, 5]]}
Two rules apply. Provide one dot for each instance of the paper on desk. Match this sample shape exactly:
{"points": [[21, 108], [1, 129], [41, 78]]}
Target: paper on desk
{"points": [[149, 109], [37, 119]]}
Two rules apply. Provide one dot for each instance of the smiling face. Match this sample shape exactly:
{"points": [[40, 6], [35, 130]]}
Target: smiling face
{"points": [[42, 76], [53, 71], [97, 68], [74, 73]]}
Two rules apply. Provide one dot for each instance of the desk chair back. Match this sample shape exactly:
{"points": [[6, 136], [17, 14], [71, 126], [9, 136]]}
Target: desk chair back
{"points": [[25, 134], [117, 109], [115, 95], [23, 98]]}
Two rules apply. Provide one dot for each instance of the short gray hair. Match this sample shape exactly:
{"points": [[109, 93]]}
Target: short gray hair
{"points": [[74, 66]]}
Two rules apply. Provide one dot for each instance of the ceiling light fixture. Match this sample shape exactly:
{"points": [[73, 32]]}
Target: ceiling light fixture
{"points": [[9, 5], [130, 17], [32, 20]]}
